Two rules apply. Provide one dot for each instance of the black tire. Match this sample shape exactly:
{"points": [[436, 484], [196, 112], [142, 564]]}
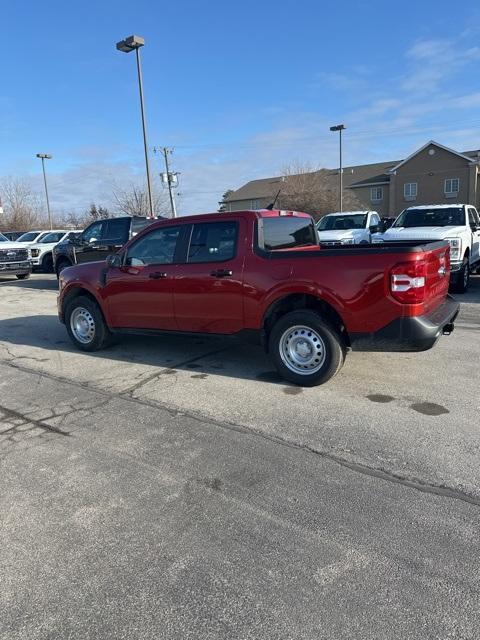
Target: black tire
{"points": [[463, 278], [316, 336], [47, 263], [93, 318], [23, 276], [62, 264]]}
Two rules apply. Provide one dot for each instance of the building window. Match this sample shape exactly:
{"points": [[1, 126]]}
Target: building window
{"points": [[376, 194], [452, 186], [410, 190], [255, 204]]}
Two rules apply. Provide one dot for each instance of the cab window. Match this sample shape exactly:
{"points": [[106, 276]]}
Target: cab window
{"points": [[93, 232], [213, 242], [156, 247]]}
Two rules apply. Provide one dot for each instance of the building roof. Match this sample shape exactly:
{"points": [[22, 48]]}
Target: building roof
{"points": [[356, 176]]}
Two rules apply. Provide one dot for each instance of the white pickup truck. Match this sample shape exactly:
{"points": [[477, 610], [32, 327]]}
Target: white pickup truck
{"points": [[349, 227], [459, 224], [41, 250], [14, 259]]}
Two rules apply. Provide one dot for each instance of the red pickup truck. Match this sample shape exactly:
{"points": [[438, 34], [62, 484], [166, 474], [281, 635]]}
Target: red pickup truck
{"points": [[262, 274]]}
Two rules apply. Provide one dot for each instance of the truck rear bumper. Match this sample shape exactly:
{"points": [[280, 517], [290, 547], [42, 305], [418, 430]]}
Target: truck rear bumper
{"points": [[417, 333]]}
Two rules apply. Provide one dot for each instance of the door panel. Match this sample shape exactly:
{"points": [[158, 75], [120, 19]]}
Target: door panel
{"points": [[141, 297], [208, 290], [140, 293]]}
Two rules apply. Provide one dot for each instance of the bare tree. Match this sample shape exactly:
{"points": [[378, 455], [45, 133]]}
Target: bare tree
{"points": [[313, 190], [22, 209], [134, 201]]}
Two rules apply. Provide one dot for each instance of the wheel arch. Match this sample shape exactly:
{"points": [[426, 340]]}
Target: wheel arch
{"points": [[77, 291], [296, 301]]}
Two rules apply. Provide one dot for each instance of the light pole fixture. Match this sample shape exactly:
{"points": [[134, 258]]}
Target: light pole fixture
{"points": [[340, 128], [133, 43], [43, 157]]}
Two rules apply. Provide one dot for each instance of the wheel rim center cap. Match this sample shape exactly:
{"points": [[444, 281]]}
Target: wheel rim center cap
{"points": [[303, 349]]}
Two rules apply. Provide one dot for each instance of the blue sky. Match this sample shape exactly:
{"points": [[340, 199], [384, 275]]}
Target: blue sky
{"points": [[240, 90]]}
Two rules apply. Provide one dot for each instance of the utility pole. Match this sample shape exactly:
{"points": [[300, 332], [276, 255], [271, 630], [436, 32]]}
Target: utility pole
{"points": [[171, 180], [340, 128], [43, 157]]}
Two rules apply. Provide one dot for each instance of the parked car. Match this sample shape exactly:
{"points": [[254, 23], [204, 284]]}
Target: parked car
{"points": [[349, 227], [41, 251], [13, 235], [459, 224], [14, 259], [262, 274], [31, 236], [98, 240]]}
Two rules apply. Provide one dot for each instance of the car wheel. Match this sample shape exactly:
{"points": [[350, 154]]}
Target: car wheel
{"points": [[85, 324], [61, 265], [463, 278], [305, 349], [23, 276], [47, 263]]}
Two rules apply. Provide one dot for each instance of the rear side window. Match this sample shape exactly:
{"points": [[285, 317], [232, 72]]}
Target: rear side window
{"points": [[117, 229], [288, 232], [156, 247], [213, 242]]}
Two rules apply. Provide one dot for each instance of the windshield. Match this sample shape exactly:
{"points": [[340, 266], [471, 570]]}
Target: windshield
{"points": [[55, 236], [441, 217], [3, 238], [29, 236], [338, 223]]}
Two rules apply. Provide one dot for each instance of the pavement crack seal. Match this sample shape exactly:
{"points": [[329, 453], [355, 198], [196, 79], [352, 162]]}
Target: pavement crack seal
{"points": [[357, 467], [170, 369], [10, 413]]}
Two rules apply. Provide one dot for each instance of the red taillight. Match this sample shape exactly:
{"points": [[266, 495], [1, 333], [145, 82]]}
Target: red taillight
{"points": [[407, 281]]}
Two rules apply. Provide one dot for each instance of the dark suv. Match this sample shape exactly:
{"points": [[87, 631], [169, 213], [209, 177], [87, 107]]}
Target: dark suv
{"points": [[98, 240]]}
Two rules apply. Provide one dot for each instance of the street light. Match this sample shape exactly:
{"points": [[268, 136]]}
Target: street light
{"points": [[43, 157], [340, 128], [133, 43]]}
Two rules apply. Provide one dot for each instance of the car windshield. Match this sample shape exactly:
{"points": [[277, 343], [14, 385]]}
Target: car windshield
{"points": [[55, 236], [441, 217], [338, 223], [29, 236], [3, 238]]}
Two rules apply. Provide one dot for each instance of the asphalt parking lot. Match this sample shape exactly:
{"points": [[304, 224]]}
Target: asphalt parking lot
{"points": [[174, 487]]}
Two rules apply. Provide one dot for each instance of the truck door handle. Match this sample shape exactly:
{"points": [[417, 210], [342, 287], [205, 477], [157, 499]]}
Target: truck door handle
{"points": [[156, 275], [221, 273]]}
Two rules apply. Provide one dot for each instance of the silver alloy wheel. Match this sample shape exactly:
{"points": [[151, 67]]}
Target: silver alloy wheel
{"points": [[82, 325], [302, 350]]}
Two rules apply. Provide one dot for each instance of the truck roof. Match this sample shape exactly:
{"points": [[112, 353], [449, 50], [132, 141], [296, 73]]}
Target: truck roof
{"points": [[254, 214], [438, 206]]}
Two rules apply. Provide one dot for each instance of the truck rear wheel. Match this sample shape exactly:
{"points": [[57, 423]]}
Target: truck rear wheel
{"points": [[85, 324], [305, 349], [23, 276]]}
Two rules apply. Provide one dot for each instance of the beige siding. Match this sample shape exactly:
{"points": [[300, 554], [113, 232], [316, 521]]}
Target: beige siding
{"points": [[430, 173], [245, 205], [363, 195]]}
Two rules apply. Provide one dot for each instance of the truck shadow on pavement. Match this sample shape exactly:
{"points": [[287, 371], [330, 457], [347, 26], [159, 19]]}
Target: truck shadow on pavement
{"points": [[201, 355], [47, 283]]}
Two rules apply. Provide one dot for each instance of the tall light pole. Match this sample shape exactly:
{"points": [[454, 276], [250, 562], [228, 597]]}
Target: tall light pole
{"points": [[133, 43], [340, 128], [43, 157]]}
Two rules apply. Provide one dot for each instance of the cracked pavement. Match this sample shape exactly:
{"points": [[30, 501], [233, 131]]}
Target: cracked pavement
{"points": [[175, 488]]}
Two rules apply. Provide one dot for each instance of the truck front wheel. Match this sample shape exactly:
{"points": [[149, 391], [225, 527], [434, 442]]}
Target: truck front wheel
{"points": [[23, 276], [85, 324], [463, 278], [305, 349]]}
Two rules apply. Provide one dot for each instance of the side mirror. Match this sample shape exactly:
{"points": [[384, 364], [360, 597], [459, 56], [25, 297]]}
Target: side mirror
{"points": [[376, 228], [114, 261]]}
